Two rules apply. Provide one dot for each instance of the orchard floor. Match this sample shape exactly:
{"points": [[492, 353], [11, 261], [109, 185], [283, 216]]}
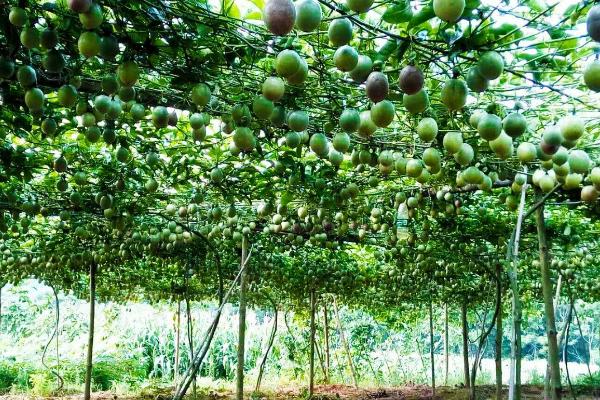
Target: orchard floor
{"points": [[336, 392]]}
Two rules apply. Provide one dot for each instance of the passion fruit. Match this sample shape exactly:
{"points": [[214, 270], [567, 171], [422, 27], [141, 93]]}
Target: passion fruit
{"points": [[514, 124], [244, 139], [593, 23], [129, 72], [526, 152], [280, 16], [363, 68], [416, 103], [319, 145], [262, 107], [475, 81], [448, 10], [298, 121], [571, 127], [366, 127], [345, 58], [308, 15], [427, 129], [452, 142], [287, 63], [591, 76], [80, 6], [454, 94], [489, 127], [340, 31], [359, 6], [411, 79], [349, 120], [341, 142], [377, 86], [490, 65], [382, 113], [273, 88], [89, 44], [92, 18]]}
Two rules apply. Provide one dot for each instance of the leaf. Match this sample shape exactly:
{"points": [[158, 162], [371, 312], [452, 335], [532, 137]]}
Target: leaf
{"points": [[231, 9], [259, 3], [398, 13], [423, 15], [254, 15]]}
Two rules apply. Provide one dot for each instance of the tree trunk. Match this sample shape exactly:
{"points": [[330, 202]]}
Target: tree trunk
{"points": [[431, 350], [498, 342], [446, 345], [561, 336], [263, 362], [311, 375], [327, 355], [548, 306], [514, 386], [90, 348], [242, 324], [345, 343], [465, 337], [177, 340]]}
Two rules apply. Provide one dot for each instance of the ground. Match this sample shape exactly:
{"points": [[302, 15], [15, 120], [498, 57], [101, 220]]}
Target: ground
{"points": [[337, 392]]}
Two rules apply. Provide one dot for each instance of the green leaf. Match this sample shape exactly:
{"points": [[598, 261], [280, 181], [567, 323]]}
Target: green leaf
{"points": [[423, 15], [254, 15], [259, 3], [398, 12], [231, 9]]}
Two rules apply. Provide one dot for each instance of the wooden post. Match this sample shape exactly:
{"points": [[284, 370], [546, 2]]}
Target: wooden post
{"points": [[553, 358], [242, 323], [465, 337], [177, 338], [327, 355], [431, 352], [514, 386], [311, 378], [499, 334], [90, 347], [446, 345]]}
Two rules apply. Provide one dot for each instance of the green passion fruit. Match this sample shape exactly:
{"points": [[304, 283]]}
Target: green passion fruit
{"points": [[427, 129], [452, 142], [345, 58], [34, 99], [571, 127], [89, 44], [464, 156], [366, 127], [454, 94], [287, 63], [244, 139], [514, 124], [475, 81], [490, 65], [489, 127], [279, 16], [526, 152], [363, 68], [448, 10], [93, 18], [382, 113], [593, 23], [591, 76], [319, 145], [18, 16], [308, 15], [273, 88], [300, 75], [298, 120], [30, 37], [340, 31], [262, 107], [349, 120], [200, 95], [416, 103], [341, 142], [359, 6]]}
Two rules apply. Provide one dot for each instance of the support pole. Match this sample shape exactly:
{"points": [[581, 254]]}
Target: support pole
{"points": [[311, 378], [90, 348], [242, 323]]}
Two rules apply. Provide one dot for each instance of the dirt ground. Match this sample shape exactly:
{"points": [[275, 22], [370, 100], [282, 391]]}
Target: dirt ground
{"points": [[336, 392]]}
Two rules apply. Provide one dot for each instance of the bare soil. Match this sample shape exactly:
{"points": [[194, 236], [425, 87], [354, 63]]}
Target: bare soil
{"points": [[337, 392]]}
